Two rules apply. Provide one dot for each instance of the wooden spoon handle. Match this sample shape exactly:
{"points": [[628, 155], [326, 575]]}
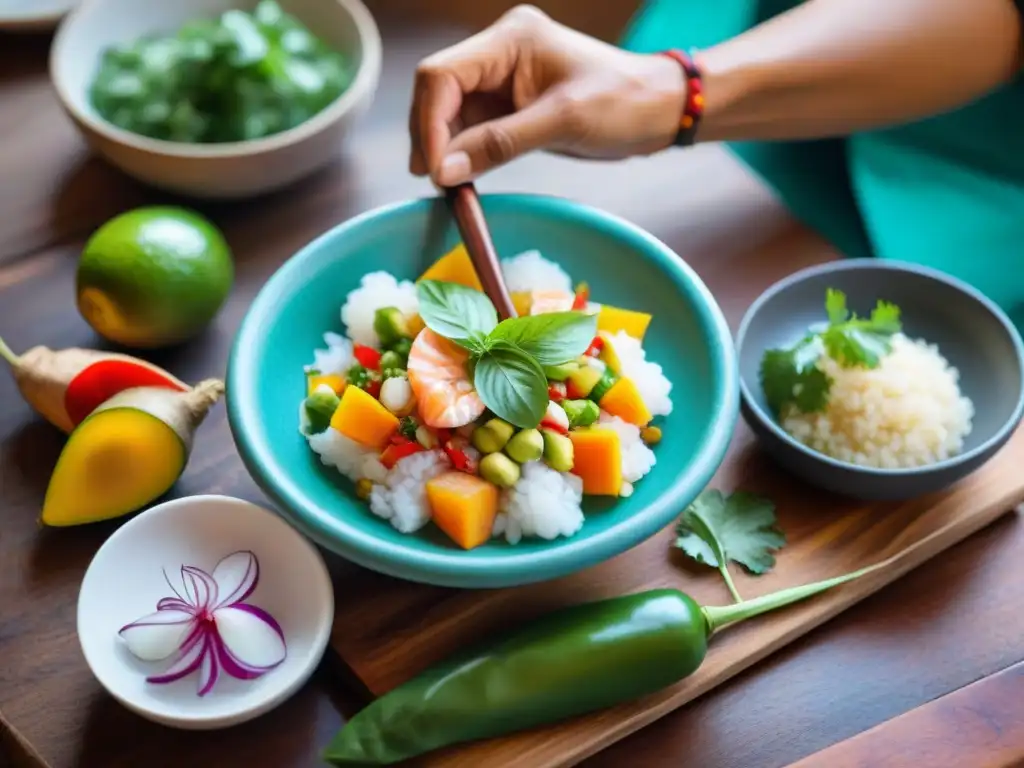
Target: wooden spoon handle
{"points": [[469, 216]]}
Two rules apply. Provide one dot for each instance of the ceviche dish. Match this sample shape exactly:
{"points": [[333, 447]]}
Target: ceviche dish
{"points": [[440, 412]]}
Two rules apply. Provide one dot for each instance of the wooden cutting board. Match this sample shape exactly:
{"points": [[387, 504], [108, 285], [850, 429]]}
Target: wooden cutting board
{"points": [[388, 630]]}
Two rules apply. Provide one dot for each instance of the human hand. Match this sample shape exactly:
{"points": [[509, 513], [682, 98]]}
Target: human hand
{"points": [[529, 83]]}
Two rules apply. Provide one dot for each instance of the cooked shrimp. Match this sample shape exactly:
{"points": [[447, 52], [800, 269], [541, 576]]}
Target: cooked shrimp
{"points": [[543, 302], [440, 381]]}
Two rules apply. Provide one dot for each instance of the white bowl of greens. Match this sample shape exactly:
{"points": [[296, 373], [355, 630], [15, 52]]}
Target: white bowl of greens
{"points": [[217, 98]]}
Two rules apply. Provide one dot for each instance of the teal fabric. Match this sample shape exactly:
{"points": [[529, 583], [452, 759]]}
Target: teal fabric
{"points": [[946, 192]]}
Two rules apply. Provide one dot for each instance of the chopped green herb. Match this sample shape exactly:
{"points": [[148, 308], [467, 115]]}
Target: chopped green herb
{"points": [[361, 377], [792, 375], [235, 77], [741, 527], [407, 427]]}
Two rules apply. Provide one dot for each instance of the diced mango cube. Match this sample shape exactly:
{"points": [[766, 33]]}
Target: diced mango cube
{"points": [[454, 267], [614, 319], [463, 506], [624, 400], [597, 460], [362, 418]]}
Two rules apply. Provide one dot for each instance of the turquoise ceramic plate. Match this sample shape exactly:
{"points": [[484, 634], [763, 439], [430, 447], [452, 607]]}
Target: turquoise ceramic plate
{"points": [[623, 265]]}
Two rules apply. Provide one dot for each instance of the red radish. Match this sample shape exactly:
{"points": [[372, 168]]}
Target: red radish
{"points": [[64, 386]]}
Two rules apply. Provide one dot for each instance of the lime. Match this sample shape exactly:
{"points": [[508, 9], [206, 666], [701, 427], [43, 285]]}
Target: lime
{"points": [[153, 276]]}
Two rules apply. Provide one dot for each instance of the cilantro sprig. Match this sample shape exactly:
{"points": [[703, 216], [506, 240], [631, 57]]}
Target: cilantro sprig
{"points": [[792, 376], [716, 529], [506, 358]]}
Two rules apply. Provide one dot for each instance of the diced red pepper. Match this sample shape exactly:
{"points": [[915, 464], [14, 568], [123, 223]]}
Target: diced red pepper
{"points": [[554, 427], [572, 392], [595, 347], [458, 456], [373, 388], [398, 451], [556, 391], [368, 357], [399, 439], [443, 435], [582, 296]]}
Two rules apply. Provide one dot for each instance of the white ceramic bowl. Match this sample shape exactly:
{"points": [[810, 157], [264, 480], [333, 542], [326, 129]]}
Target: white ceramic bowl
{"points": [[32, 15], [125, 580], [228, 170]]}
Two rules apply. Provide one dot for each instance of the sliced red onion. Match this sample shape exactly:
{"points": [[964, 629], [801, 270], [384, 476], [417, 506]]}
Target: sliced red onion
{"points": [[236, 577], [208, 668], [187, 663], [200, 588], [251, 635], [234, 667], [174, 604], [211, 634], [158, 635], [177, 594]]}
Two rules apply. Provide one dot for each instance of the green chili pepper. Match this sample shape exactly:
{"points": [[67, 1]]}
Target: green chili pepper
{"points": [[569, 663]]}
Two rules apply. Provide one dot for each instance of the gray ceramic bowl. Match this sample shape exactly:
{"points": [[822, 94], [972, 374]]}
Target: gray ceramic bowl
{"points": [[972, 333]]}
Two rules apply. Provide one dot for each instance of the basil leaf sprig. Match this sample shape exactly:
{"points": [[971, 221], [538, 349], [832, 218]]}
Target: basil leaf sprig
{"points": [[506, 358]]}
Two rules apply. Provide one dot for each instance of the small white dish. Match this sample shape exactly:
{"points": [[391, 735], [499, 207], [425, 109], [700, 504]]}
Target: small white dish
{"points": [[33, 15], [125, 580]]}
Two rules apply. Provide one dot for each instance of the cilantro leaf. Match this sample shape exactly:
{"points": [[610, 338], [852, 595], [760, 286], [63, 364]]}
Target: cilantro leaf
{"points": [[716, 529], [792, 376], [835, 306]]}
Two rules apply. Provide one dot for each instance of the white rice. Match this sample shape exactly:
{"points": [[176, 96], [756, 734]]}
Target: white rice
{"points": [[347, 456], [649, 377], [336, 358], [375, 291], [529, 271], [401, 498], [907, 412], [543, 503], [637, 458]]}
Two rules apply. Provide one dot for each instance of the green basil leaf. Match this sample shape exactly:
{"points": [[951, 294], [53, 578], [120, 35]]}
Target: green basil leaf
{"points": [[551, 338], [511, 384], [456, 312]]}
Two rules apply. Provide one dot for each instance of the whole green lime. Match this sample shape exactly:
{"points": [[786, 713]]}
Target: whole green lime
{"points": [[154, 276]]}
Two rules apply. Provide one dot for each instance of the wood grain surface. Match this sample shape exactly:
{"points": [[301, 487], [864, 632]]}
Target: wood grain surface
{"points": [[389, 630], [912, 642], [980, 725]]}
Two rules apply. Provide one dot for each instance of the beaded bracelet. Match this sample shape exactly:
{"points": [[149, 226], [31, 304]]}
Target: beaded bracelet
{"points": [[693, 110]]}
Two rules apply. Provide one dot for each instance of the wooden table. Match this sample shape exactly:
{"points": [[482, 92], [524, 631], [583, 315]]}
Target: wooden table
{"points": [[896, 664]]}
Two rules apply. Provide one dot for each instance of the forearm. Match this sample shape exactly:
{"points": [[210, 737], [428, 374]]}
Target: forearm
{"points": [[832, 67]]}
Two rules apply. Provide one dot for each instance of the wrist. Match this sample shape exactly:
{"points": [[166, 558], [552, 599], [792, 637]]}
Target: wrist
{"points": [[692, 111], [670, 89]]}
